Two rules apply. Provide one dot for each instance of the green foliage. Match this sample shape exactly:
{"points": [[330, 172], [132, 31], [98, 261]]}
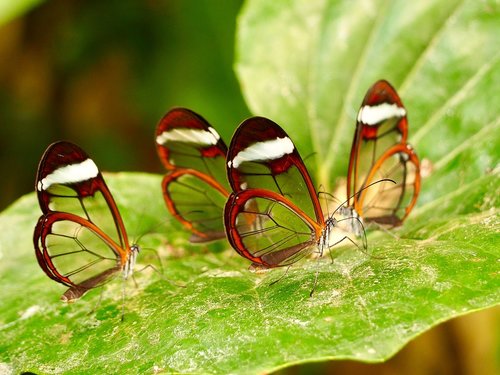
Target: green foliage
{"points": [[302, 63], [10, 9], [227, 319], [307, 65]]}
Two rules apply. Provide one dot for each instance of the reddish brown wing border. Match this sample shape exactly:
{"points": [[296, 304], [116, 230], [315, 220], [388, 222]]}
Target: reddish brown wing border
{"points": [[186, 119], [183, 118], [176, 174], [259, 129], [43, 229], [380, 92], [63, 153], [413, 158], [57, 155]]}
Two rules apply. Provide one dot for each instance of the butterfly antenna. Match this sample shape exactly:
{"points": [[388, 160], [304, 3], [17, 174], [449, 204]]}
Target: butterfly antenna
{"points": [[360, 190], [160, 274], [323, 193], [335, 199], [309, 156], [151, 230]]}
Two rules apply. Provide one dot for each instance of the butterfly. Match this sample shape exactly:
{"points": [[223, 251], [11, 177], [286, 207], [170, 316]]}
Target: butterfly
{"points": [[195, 188], [80, 239], [273, 216], [380, 151]]}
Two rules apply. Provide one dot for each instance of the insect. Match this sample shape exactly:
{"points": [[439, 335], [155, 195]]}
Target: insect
{"points": [[80, 239], [195, 189], [273, 216], [380, 151]]}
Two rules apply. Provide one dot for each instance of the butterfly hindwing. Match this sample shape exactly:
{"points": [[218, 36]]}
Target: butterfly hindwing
{"points": [[71, 251], [196, 202], [388, 203], [266, 228], [195, 189]]}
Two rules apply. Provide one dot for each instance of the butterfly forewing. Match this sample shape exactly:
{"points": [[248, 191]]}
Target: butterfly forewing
{"points": [[380, 151], [196, 188], [261, 155], [69, 181], [80, 239], [381, 124], [184, 139]]}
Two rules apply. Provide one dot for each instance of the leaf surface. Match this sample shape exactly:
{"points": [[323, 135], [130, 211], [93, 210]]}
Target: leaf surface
{"points": [[306, 65]]}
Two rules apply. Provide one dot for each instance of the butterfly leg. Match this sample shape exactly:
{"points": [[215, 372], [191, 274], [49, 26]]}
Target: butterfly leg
{"points": [[160, 274], [281, 277], [98, 302], [123, 298]]}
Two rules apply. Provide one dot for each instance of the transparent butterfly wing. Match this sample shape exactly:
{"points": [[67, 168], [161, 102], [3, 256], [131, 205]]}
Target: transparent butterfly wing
{"points": [[195, 189], [380, 151], [80, 240]]}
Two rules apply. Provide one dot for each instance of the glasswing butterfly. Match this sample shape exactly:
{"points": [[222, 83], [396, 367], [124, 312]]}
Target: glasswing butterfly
{"points": [[273, 216], [380, 151], [195, 188], [80, 239]]}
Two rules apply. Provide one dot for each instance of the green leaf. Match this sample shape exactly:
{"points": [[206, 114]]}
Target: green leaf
{"points": [[308, 64], [228, 320], [10, 9], [300, 63]]}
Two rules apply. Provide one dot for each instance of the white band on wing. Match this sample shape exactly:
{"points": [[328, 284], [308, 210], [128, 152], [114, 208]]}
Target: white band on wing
{"points": [[262, 151], [371, 115], [199, 136], [70, 174]]}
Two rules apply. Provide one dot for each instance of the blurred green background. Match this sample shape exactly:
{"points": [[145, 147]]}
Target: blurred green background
{"points": [[102, 73]]}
